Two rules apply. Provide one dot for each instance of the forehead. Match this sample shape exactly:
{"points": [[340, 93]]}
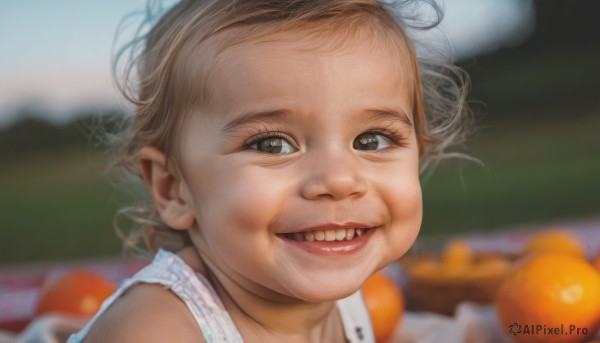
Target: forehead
{"points": [[271, 61], [203, 56], [280, 60]]}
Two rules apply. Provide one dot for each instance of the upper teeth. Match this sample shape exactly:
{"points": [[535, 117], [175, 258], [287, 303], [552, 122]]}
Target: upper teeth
{"points": [[328, 235]]}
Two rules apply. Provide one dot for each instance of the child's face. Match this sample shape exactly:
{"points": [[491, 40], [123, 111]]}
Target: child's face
{"points": [[343, 154]]}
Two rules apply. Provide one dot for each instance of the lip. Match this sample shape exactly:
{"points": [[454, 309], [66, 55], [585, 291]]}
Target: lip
{"points": [[333, 226], [334, 248]]}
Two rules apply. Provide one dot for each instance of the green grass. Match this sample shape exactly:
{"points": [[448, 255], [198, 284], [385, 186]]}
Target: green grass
{"points": [[58, 206], [533, 172]]}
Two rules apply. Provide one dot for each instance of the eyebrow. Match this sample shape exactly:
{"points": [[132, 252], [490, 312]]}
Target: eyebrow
{"points": [[389, 114], [385, 114], [258, 117]]}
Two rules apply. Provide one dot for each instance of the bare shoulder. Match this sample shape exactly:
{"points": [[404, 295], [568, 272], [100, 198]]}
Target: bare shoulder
{"points": [[146, 313]]}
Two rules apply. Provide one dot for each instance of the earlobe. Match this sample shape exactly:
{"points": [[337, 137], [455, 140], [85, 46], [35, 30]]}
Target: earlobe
{"points": [[165, 187]]}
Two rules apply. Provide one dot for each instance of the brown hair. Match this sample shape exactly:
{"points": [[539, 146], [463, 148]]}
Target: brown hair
{"points": [[168, 83]]}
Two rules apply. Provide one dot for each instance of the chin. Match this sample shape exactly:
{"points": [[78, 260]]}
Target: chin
{"points": [[329, 288], [324, 295]]}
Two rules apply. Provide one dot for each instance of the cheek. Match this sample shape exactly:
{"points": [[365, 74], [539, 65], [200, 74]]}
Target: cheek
{"points": [[405, 205], [241, 199], [400, 189], [233, 213], [407, 213], [407, 200]]}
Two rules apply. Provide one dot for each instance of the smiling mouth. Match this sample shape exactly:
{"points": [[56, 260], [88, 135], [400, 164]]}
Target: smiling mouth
{"points": [[333, 235]]}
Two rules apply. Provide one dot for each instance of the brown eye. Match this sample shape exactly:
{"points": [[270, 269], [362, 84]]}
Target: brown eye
{"points": [[273, 145], [371, 141]]}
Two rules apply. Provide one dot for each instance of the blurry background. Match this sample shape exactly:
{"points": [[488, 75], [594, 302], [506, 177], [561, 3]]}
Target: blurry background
{"points": [[535, 87]]}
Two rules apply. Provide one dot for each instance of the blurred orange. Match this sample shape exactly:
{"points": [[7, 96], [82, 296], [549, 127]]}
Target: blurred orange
{"points": [[76, 293], [385, 304], [547, 297], [558, 240], [596, 261], [456, 254]]}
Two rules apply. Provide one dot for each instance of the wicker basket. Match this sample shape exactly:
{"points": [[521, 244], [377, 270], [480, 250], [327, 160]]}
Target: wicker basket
{"points": [[434, 287]]}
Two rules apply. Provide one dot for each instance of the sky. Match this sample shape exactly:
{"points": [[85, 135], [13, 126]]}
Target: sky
{"points": [[55, 55]]}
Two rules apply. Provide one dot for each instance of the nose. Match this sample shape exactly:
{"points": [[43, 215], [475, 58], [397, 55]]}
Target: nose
{"points": [[334, 176]]}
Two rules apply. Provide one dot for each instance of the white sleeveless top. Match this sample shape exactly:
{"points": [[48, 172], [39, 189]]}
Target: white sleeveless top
{"points": [[195, 291]]}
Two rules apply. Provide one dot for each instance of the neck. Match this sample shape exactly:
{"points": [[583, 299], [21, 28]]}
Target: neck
{"points": [[295, 323], [261, 316]]}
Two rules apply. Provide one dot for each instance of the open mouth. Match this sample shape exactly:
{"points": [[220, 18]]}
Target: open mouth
{"points": [[333, 235]]}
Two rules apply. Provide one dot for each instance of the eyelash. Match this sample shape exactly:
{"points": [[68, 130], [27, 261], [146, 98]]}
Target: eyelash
{"points": [[264, 134], [394, 136]]}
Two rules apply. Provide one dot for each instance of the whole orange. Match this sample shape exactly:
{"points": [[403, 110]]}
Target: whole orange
{"points": [[550, 297], [558, 240], [76, 293], [385, 304]]}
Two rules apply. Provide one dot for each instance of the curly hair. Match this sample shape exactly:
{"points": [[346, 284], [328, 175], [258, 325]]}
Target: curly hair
{"points": [[153, 72]]}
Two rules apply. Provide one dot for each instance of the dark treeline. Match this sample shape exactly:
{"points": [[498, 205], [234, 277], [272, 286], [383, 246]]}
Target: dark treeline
{"points": [[564, 25], [32, 134], [555, 71]]}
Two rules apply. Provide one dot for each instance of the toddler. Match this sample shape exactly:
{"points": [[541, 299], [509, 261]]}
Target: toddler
{"points": [[281, 142]]}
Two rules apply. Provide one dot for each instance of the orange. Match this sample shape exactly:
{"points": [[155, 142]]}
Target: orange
{"points": [[596, 261], [76, 293], [558, 240], [456, 254], [385, 304], [550, 297]]}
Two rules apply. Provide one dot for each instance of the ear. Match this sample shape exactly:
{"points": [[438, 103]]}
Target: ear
{"points": [[166, 189]]}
